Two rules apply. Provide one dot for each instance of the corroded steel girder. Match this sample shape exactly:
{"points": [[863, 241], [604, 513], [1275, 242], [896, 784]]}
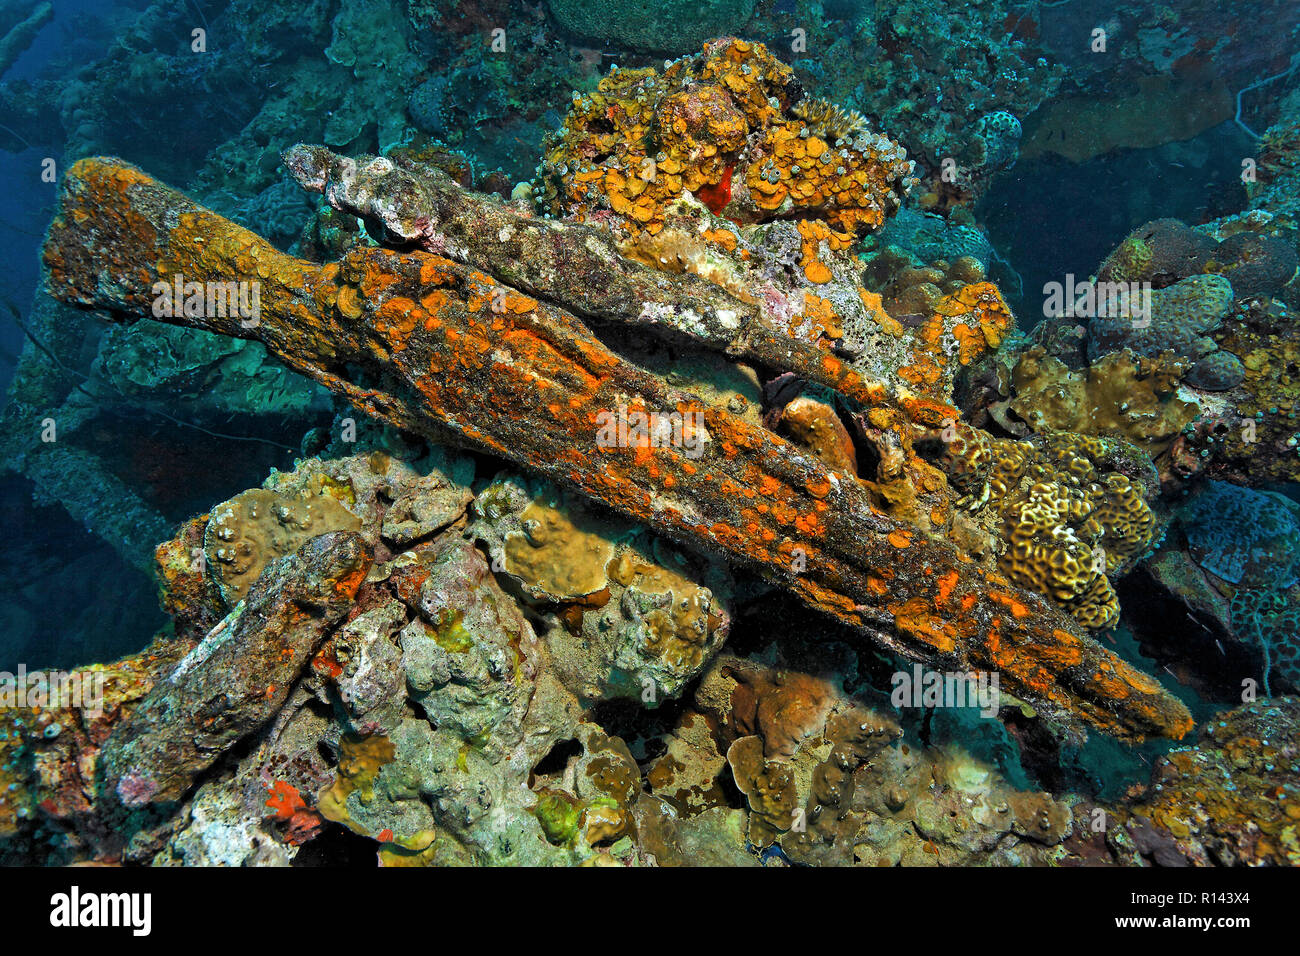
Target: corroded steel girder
{"points": [[439, 348]]}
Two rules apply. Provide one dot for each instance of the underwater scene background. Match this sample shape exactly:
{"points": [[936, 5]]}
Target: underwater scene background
{"points": [[746, 432]]}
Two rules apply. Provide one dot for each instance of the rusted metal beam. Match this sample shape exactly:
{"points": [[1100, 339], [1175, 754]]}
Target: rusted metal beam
{"points": [[447, 351]]}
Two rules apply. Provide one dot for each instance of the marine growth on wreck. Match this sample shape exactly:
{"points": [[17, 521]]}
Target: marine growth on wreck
{"points": [[687, 434]]}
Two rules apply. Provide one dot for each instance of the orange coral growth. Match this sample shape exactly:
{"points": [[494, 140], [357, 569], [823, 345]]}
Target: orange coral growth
{"points": [[900, 538], [825, 322], [285, 800], [723, 127], [916, 619], [291, 809]]}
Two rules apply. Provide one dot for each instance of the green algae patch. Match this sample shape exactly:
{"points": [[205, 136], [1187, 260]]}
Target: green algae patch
{"points": [[451, 634], [559, 815]]}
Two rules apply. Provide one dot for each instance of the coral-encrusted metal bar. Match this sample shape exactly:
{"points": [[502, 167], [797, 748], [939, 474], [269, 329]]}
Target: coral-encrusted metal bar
{"points": [[447, 351], [575, 266]]}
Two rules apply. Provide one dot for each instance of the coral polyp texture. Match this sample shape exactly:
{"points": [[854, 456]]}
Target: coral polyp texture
{"points": [[730, 125], [680, 487]]}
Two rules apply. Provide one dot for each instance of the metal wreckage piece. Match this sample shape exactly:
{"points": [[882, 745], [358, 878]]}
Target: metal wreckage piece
{"points": [[471, 329]]}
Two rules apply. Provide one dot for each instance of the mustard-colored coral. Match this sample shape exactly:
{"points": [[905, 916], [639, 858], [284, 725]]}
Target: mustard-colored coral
{"points": [[611, 784], [1120, 394], [258, 526], [768, 786], [817, 427], [360, 760], [1050, 543], [554, 558], [908, 287], [679, 632]]}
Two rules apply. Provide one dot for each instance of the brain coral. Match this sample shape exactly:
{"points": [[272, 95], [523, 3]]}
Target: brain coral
{"points": [[1217, 372], [725, 125], [668, 26], [999, 134], [1182, 317], [1244, 536], [1271, 621], [1160, 252], [1256, 265], [1065, 525]]}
